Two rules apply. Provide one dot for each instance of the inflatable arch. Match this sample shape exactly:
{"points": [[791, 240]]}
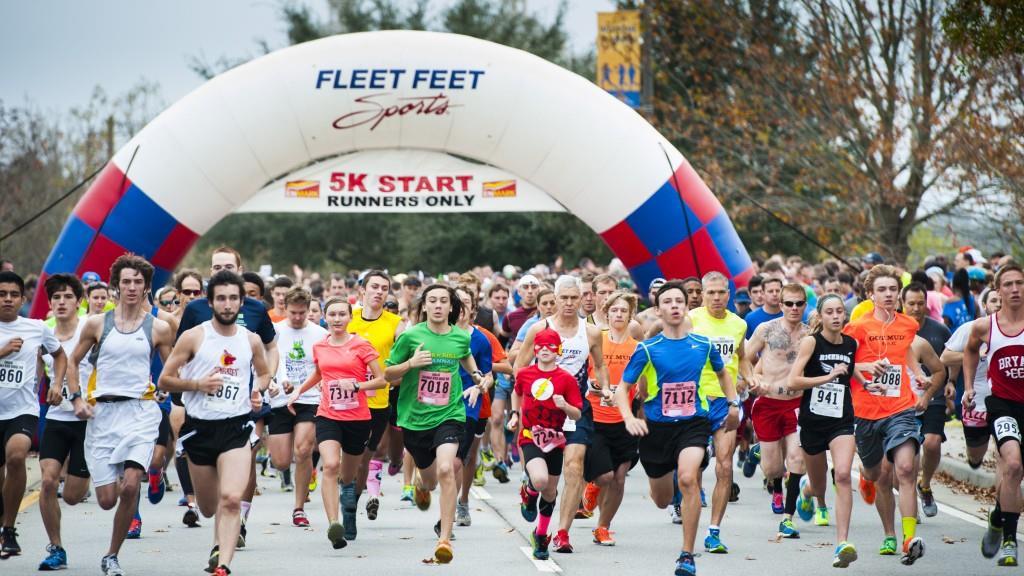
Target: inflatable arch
{"points": [[420, 121]]}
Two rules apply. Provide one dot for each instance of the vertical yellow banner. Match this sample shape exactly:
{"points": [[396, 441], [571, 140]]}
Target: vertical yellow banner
{"points": [[619, 54]]}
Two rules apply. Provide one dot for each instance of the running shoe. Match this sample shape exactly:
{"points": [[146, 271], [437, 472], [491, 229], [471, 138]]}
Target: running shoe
{"points": [[888, 546], [540, 545], [1008, 554], [479, 479], [422, 498], [110, 566], [407, 493], [487, 459], [56, 559], [222, 571], [713, 542], [286, 480], [867, 490], [183, 501], [928, 505], [992, 540], [335, 535], [676, 514], [372, 507], [741, 457], [603, 537], [9, 545], [513, 453], [349, 501], [734, 494], [778, 503], [443, 552], [845, 555], [242, 533], [500, 472], [437, 530], [299, 519], [804, 505], [913, 548], [191, 517], [582, 514], [135, 528], [753, 459], [590, 495], [703, 499], [156, 486], [527, 503], [313, 481], [685, 565], [787, 530], [214, 559], [561, 542], [462, 517], [394, 468], [821, 516]]}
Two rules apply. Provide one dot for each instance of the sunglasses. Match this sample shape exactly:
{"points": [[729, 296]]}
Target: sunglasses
{"points": [[169, 302], [794, 304], [192, 292]]}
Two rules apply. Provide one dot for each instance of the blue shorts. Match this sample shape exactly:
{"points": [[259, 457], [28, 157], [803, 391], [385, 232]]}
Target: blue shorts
{"points": [[584, 431], [718, 411], [502, 387]]}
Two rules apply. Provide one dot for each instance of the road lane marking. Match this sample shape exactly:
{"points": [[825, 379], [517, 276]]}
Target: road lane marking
{"points": [[541, 565]]}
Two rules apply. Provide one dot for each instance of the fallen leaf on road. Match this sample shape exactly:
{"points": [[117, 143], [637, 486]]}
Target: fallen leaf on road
{"points": [[510, 530], [948, 540], [749, 558], [429, 561], [405, 537], [160, 530]]}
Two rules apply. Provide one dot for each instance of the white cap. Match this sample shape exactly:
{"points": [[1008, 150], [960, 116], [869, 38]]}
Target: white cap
{"points": [[976, 255], [528, 280]]}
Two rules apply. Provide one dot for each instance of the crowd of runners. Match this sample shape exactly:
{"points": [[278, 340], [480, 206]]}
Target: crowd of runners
{"points": [[575, 374]]}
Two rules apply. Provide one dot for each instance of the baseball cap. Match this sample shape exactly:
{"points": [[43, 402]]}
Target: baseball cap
{"points": [[548, 338], [935, 272], [873, 258], [90, 277], [742, 297], [975, 273], [976, 255], [528, 280], [655, 284]]}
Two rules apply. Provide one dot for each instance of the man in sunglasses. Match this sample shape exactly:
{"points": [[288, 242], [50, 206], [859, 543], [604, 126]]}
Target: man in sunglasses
{"points": [[773, 348]]}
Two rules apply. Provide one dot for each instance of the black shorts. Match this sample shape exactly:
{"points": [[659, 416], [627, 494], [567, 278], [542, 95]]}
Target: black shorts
{"points": [[163, 433], [351, 434], [65, 440], [393, 406], [422, 444], [553, 458], [610, 447], [815, 439], [468, 435], [205, 440], [1005, 418], [262, 414], [933, 421], [584, 432], [378, 425], [481, 427], [660, 448], [975, 436], [25, 424], [283, 422]]}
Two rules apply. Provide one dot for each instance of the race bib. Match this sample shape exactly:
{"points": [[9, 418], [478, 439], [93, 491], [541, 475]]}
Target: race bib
{"points": [[678, 399], [726, 347], [975, 418], [547, 439], [296, 371], [1006, 427], [827, 400], [65, 403], [434, 388], [569, 425], [892, 379], [225, 399], [12, 374], [341, 398]]}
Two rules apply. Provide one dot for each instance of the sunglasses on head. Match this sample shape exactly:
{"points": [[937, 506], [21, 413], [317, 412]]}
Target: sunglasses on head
{"points": [[192, 292], [794, 303]]}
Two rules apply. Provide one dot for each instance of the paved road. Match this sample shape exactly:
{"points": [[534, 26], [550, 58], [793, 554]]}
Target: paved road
{"points": [[398, 541]]}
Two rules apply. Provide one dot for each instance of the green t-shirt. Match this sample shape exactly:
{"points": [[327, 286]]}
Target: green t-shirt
{"points": [[430, 395]]}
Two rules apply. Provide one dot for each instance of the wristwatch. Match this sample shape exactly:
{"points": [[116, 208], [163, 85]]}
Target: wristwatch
{"points": [[735, 403], [356, 386], [75, 396]]}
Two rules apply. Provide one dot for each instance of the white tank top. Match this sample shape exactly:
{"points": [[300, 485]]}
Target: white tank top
{"points": [[231, 357], [122, 364], [575, 351], [65, 411]]}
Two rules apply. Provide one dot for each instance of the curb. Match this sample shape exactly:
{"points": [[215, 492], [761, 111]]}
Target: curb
{"points": [[962, 472]]}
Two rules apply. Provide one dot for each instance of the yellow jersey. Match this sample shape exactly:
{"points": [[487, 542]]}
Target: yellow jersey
{"points": [[381, 334]]}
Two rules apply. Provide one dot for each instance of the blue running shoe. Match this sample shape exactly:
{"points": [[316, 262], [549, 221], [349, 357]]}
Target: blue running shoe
{"points": [[845, 555], [135, 528], [703, 499], [787, 530], [713, 542], [753, 459], [57, 559], [804, 506], [156, 486], [685, 565]]}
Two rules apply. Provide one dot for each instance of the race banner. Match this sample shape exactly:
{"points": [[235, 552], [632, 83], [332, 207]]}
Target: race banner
{"points": [[619, 55]]}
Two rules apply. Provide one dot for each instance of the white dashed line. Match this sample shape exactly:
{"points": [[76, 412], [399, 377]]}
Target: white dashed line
{"points": [[540, 565]]}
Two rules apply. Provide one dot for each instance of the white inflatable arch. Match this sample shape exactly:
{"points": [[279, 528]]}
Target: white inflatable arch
{"points": [[401, 121]]}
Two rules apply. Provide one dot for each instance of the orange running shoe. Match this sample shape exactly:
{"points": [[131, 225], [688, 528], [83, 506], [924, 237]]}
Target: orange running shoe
{"points": [[590, 496], [603, 537], [867, 490], [443, 552]]}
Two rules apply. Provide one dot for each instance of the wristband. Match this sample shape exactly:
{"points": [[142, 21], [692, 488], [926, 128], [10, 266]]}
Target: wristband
{"points": [[75, 396]]}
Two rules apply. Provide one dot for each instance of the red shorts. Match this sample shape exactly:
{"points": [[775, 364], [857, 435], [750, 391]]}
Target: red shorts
{"points": [[485, 406], [774, 419]]}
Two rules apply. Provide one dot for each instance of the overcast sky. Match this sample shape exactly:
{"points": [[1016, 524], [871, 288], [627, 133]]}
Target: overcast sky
{"points": [[54, 52]]}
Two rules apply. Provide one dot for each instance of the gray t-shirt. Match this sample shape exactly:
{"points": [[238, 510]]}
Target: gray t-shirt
{"points": [[936, 333]]}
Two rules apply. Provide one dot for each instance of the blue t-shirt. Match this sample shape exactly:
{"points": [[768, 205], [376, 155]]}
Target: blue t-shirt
{"points": [[758, 317], [663, 360], [521, 336], [958, 313], [480, 348]]}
